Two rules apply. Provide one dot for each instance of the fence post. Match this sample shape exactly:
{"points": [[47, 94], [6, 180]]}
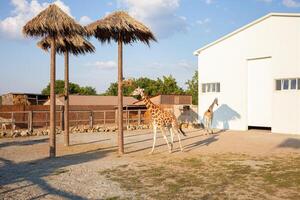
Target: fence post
{"points": [[104, 118], [116, 117], [127, 117], [30, 122], [62, 118], [12, 123], [91, 119], [139, 117]]}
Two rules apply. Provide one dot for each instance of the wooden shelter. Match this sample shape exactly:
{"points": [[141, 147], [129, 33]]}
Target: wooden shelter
{"points": [[53, 23], [75, 45], [122, 28]]}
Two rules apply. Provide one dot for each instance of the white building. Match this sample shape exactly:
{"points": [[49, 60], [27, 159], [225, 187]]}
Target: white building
{"points": [[255, 73]]}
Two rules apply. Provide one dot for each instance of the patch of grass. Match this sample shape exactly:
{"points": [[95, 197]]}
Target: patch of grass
{"points": [[113, 198], [212, 177]]}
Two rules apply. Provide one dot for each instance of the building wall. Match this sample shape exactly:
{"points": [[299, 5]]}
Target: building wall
{"points": [[226, 62]]}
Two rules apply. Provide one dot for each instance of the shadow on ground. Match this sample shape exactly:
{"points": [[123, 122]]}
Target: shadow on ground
{"points": [[35, 171], [290, 143], [23, 143]]}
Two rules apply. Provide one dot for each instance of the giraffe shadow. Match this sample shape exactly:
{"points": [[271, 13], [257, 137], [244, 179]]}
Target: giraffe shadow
{"points": [[205, 142], [223, 115]]}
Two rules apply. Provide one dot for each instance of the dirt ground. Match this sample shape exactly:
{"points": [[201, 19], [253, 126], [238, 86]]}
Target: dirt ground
{"points": [[226, 165]]}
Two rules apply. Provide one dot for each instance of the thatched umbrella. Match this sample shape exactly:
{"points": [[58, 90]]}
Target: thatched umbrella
{"points": [[75, 45], [121, 28], [52, 22]]}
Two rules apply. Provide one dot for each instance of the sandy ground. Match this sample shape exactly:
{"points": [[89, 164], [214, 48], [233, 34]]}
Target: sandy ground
{"points": [[27, 173]]}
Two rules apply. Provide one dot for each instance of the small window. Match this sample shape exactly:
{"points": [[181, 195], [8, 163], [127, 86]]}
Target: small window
{"points": [[286, 84], [218, 87], [203, 88], [210, 87], [293, 84], [278, 84], [213, 89]]}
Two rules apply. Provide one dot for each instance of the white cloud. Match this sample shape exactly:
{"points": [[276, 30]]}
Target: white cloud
{"points": [[266, 1], [204, 21], [291, 3], [159, 15], [185, 64], [24, 10], [110, 3], [208, 1], [84, 20], [105, 65]]}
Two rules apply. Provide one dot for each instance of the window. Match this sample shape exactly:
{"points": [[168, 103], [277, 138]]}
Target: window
{"points": [[293, 84], [287, 84], [210, 87]]}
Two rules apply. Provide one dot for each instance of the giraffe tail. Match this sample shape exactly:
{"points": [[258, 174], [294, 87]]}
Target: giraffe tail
{"points": [[180, 129]]}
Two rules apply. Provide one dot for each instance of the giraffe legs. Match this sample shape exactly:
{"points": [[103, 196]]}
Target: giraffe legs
{"points": [[210, 129], [165, 137], [154, 138], [172, 137], [179, 141]]}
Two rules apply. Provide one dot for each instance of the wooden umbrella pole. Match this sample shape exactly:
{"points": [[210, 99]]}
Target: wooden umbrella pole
{"points": [[66, 100], [52, 135], [120, 97]]}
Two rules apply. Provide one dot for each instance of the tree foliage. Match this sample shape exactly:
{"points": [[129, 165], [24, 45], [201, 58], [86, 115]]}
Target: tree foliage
{"points": [[192, 88], [73, 89], [166, 85]]}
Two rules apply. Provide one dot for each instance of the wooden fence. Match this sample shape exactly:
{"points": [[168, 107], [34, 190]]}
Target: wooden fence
{"points": [[37, 119]]}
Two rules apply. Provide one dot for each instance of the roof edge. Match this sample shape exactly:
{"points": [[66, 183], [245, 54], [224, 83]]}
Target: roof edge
{"points": [[198, 51]]}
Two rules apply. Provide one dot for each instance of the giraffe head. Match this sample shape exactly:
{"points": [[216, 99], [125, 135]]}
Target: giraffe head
{"points": [[138, 91], [216, 101]]}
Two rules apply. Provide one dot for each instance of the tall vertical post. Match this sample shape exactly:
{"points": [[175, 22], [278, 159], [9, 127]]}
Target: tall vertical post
{"points": [[52, 139], [66, 100], [30, 117], [120, 96]]}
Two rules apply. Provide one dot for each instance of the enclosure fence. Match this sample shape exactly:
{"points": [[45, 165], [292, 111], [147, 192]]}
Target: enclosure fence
{"points": [[40, 119]]}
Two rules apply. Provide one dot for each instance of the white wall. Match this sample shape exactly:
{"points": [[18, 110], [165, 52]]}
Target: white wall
{"points": [[226, 62]]}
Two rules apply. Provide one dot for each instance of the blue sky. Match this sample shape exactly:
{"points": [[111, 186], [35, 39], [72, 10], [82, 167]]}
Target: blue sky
{"points": [[181, 27]]}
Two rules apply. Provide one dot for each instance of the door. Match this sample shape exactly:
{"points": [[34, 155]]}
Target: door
{"points": [[260, 87]]}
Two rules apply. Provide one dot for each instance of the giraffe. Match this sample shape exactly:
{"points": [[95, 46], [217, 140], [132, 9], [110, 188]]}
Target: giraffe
{"points": [[161, 119], [208, 116]]}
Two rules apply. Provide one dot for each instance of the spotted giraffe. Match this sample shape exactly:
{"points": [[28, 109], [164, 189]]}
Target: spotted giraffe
{"points": [[208, 116], [161, 119]]}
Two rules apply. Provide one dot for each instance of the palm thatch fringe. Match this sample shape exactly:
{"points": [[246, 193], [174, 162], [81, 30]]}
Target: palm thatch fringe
{"points": [[75, 45], [52, 22], [120, 25]]}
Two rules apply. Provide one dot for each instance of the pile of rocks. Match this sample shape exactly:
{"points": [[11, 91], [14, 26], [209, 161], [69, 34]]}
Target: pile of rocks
{"points": [[73, 129], [24, 133], [87, 129]]}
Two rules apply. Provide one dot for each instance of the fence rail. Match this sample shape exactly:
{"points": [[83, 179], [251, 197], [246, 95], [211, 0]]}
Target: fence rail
{"points": [[35, 119]]}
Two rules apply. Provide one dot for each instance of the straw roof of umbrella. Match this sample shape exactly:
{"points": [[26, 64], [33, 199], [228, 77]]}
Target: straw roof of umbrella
{"points": [[75, 45], [120, 24], [51, 22]]}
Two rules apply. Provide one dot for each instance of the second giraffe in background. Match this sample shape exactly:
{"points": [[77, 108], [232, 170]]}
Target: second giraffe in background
{"points": [[208, 116]]}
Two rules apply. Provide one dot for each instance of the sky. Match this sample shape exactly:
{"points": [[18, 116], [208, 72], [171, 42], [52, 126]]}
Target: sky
{"points": [[180, 26]]}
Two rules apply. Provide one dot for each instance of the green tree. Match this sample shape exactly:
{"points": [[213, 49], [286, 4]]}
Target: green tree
{"points": [[166, 85], [193, 87], [73, 89]]}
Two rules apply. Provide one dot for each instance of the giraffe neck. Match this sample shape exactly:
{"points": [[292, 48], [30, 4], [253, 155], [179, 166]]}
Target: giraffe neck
{"points": [[147, 101], [211, 107]]}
